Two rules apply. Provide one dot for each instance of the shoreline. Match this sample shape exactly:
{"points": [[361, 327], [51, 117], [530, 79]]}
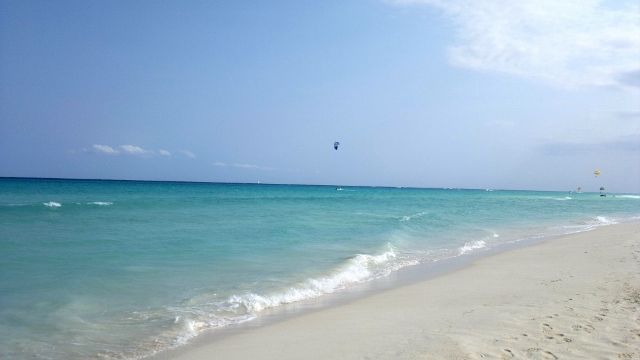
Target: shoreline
{"points": [[384, 321]]}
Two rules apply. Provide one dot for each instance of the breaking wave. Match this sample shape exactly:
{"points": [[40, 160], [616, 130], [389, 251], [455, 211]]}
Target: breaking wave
{"points": [[52, 204], [472, 245], [205, 313], [628, 196], [416, 215], [359, 268], [603, 220]]}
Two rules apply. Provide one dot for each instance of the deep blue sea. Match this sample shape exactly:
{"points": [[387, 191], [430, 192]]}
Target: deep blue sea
{"points": [[124, 269]]}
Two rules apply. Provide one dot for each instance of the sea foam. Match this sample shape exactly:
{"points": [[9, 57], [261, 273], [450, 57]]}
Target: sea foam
{"points": [[603, 220], [416, 215], [52, 204], [191, 319], [628, 196], [473, 245], [100, 203], [359, 268]]}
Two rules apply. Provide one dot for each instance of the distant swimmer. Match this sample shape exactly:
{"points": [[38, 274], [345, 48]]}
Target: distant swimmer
{"points": [[336, 145]]}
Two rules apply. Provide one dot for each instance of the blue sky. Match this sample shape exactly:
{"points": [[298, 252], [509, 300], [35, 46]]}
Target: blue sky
{"points": [[461, 93]]}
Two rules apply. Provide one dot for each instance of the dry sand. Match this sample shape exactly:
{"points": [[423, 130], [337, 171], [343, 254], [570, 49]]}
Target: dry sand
{"points": [[573, 297]]}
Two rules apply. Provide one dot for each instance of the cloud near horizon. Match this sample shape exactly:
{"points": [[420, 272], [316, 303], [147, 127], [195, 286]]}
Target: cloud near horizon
{"points": [[129, 149], [134, 150], [570, 43], [104, 149]]}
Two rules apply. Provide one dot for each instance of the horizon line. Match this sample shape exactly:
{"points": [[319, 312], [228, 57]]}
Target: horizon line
{"points": [[282, 184]]}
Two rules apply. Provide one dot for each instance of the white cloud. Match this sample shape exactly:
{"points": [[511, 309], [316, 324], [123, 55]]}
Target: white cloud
{"points": [[187, 153], [569, 43], [105, 149], [134, 150], [246, 166], [130, 150]]}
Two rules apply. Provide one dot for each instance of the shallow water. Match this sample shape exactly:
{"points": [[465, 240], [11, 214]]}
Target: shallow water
{"points": [[123, 269]]}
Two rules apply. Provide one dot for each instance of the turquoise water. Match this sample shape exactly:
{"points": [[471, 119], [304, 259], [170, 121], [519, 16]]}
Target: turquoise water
{"points": [[123, 269]]}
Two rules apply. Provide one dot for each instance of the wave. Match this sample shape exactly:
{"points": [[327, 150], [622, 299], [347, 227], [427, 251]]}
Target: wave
{"points": [[100, 203], [202, 313], [473, 245], [360, 268], [416, 215], [603, 220], [563, 198], [628, 196], [52, 204], [590, 224]]}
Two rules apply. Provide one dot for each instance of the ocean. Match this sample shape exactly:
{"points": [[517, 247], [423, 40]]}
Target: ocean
{"points": [[126, 269]]}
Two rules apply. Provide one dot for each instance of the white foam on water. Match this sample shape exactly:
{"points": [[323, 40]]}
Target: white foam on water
{"points": [[52, 204], [563, 198], [360, 268], [100, 203], [628, 196], [205, 313], [603, 220], [591, 224], [416, 215], [472, 245]]}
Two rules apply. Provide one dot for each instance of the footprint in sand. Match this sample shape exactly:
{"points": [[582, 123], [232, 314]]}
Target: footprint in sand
{"points": [[546, 328], [565, 339], [536, 352], [587, 328], [508, 353]]}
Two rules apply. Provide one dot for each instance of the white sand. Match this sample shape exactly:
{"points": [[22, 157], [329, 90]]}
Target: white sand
{"points": [[575, 297]]}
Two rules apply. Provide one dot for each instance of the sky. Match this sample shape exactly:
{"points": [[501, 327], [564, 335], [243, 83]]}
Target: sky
{"points": [[530, 94]]}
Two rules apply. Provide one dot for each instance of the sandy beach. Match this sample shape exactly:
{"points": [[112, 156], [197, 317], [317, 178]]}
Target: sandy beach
{"points": [[572, 297]]}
